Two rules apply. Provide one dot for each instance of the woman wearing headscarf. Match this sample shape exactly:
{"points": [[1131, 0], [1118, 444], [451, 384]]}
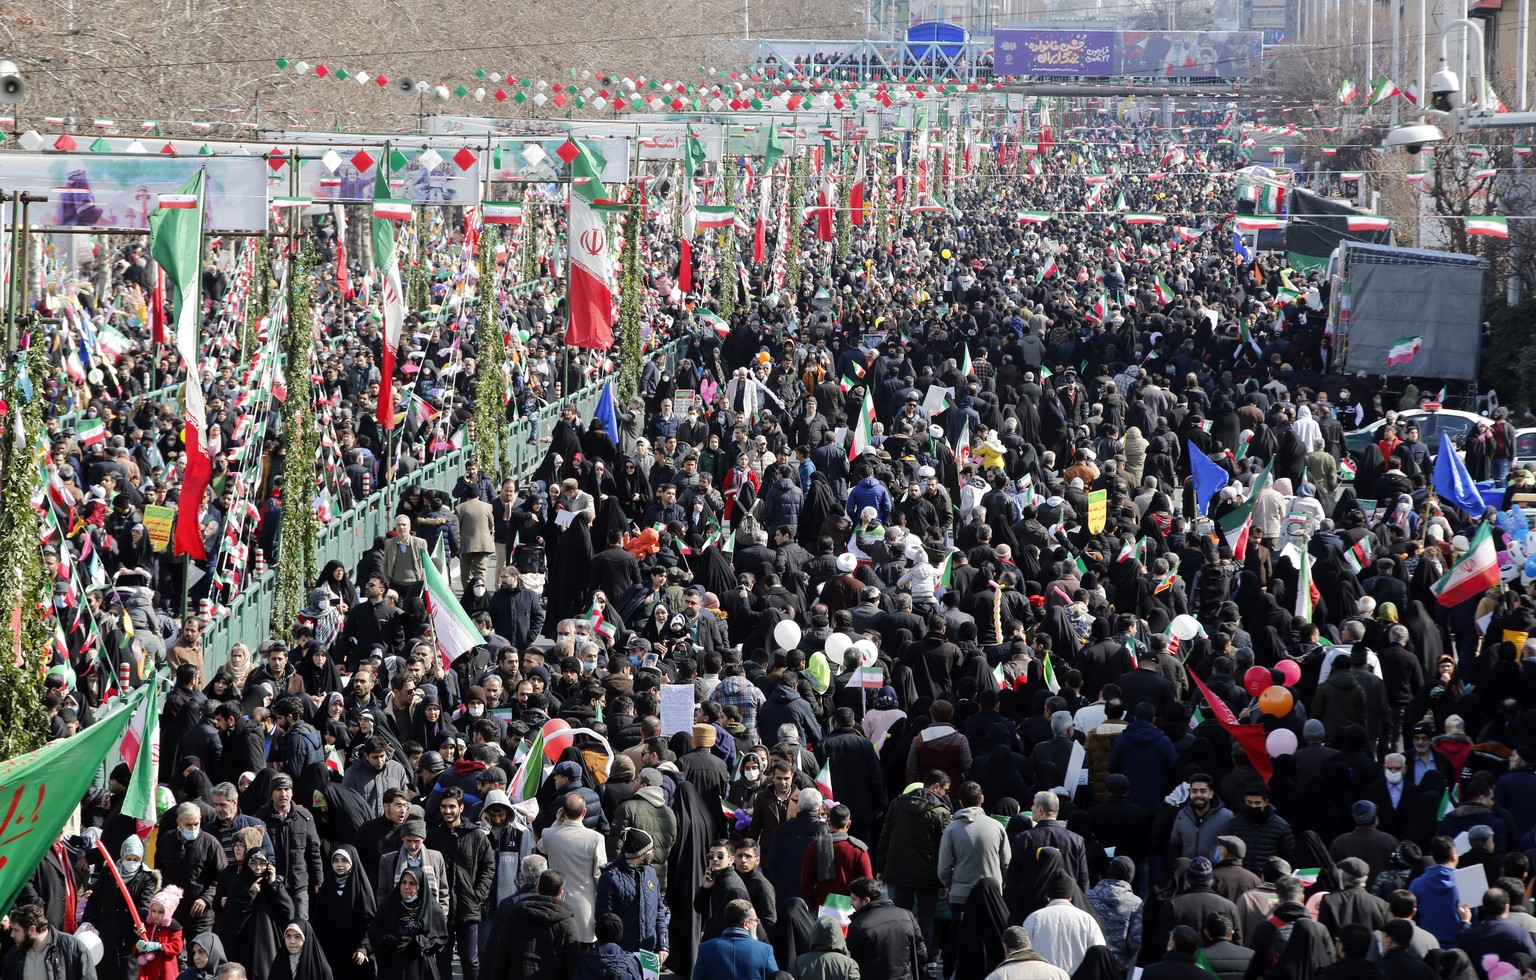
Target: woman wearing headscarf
{"points": [[239, 666], [794, 933], [1307, 952], [302, 957], [334, 578], [978, 945], [205, 954], [696, 827], [339, 812], [256, 910], [427, 719], [407, 932], [342, 911], [1031, 889], [570, 571], [632, 488], [1423, 634], [1161, 894], [318, 669], [1098, 964]]}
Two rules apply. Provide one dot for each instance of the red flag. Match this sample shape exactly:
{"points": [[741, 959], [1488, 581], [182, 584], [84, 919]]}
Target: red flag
{"points": [[1250, 737], [157, 306], [194, 484], [343, 274], [685, 266], [760, 240]]}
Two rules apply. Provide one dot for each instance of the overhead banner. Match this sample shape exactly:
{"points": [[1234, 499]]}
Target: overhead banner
{"points": [[1164, 54], [537, 158], [117, 193]]}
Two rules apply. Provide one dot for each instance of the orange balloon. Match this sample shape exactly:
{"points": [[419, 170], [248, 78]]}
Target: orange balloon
{"points": [[1276, 701]]}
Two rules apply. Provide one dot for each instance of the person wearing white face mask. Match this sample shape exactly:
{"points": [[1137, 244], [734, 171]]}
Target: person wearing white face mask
{"points": [[745, 786], [108, 912]]}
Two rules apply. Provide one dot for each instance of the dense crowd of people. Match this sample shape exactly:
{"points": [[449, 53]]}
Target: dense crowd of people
{"points": [[899, 631]]}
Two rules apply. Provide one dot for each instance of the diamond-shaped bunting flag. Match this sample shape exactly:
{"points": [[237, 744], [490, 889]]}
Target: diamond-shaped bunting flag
{"points": [[321, 71], [501, 95], [479, 72], [101, 145], [362, 161], [282, 63], [461, 91], [568, 152], [381, 80], [430, 158], [619, 104], [397, 160], [275, 160], [465, 158], [540, 99], [331, 161], [520, 98], [559, 100], [65, 142], [534, 154], [168, 150], [341, 74]]}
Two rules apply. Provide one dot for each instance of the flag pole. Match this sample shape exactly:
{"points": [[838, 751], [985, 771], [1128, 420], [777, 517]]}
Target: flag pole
{"points": [[138, 923]]}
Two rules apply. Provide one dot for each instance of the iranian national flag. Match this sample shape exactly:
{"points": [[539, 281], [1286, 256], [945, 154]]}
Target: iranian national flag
{"points": [[530, 775], [1403, 349], [838, 908], [1383, 89], [1307, 876], [826, 207], [1415, 176], [824, 781], [714, 216], [591, 281], [1487, 173], [1188, 234], [495, 213], [1048, 674], [1330, 151], [386, 208], [1350, 177], [175, 242], [140, 749], [1236, 526], [1253, 222], [1368, 222], [90, 433], [1347, 91], [1160, 287], [1144, 218], [1033, 217], [1490, 225], [1046, 271], [1357, 555], [456, 632], [856, 191], [1476, 571], [713, 322], [1411, 92], [386, 266], [863, 429], [870, 678], [178, 201], [1306, 592], [963, 444]]}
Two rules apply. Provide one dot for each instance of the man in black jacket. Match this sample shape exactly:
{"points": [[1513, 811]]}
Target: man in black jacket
{"points": [[1227, 958], [468, 851], [1197, 902], [190, 858], [539, 942], [1399, 961], [245, 747], [295, 844], [884, 940], [1178, 963], [720, 886], [759, 888], [516, 612], [860, 786], [369, 624], [63, 956]]}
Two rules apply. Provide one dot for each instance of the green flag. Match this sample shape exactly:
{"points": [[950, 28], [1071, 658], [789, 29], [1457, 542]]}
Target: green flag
{"points": [[42, 788], [775, 147], [693, 153]]}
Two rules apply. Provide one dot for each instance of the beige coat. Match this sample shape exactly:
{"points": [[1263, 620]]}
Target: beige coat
{"points": [[477, 527], [403, 567], [577, 853]]}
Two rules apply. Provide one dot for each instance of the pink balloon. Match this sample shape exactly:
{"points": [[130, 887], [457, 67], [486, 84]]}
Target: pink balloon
{"points": [[1290, 671], [554, 744]]}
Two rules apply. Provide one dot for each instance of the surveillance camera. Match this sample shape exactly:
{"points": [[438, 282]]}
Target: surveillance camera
{"points": [[1444, 90], [1413, 138]]}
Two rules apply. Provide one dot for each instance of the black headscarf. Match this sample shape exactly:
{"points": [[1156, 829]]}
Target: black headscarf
{"points": [[1307, 952], [311, 964], [979, 947], [1098, 964], [343, 909], [1034, 892], [794, 932]]}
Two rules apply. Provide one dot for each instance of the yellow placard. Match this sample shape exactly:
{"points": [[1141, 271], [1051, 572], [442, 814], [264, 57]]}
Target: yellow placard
{"points": [[158, 524], [1098, 510]]}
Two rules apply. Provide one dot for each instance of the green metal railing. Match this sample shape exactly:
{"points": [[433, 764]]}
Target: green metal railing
{"points": [[352, 533], [71, 420]]}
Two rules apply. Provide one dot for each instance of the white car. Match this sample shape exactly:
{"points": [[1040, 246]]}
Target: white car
{"points": [[1432, 425]]}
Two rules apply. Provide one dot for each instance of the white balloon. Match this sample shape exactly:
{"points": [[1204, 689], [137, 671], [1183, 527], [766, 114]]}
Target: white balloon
{"points": [[88, 938], [868, 652], [837, 645], [1185, 627], [787, 634]]}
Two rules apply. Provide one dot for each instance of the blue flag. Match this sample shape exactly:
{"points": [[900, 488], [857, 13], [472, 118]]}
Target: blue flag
{"points": [[1453, 483], [1209, 478], [1240, 248], [606, 413]]}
